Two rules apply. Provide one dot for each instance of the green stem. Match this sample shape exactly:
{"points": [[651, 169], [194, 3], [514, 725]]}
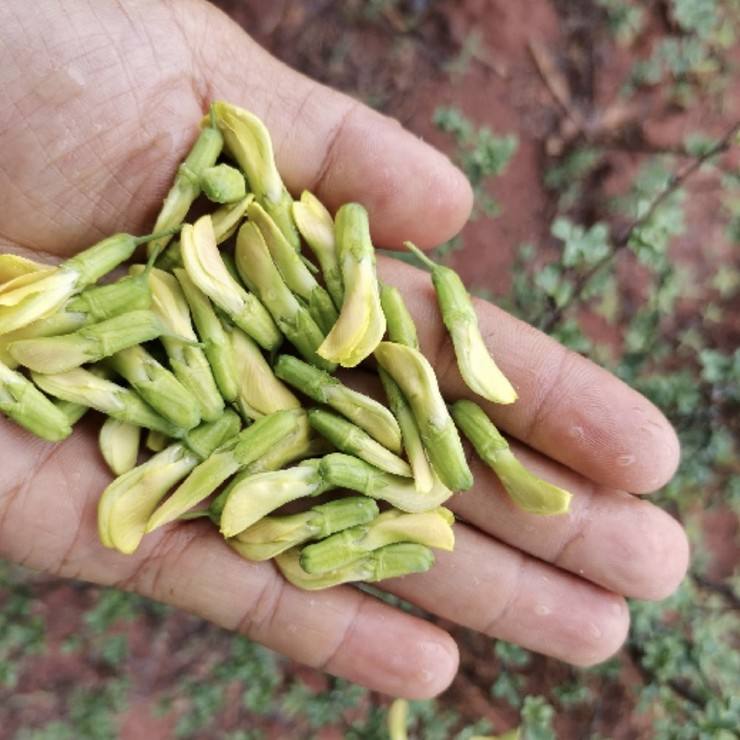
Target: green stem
{"points": [[349, 438], [421, 256], [360, 409], [83, 387], [477, 367], [157, 386], [412, 443], [245, 448], [527, 490], [273, 535], [21, 401], [86, 345], [415, 377], [392, 561], [255, 496], [401, 327], [345, 471], [432, 528], [259, 272], [186, 187]]}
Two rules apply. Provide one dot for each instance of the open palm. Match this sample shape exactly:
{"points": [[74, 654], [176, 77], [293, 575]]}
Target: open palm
{"points": [[99, 102]]}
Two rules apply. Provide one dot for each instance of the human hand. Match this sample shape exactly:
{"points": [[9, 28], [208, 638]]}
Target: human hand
{"points": [[99, 105]]}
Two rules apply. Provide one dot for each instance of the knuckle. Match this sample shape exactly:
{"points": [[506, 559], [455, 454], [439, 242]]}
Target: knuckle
{"points": [[333, 146], [552, 386], [260, 615], [508, 596], [444, 360], [342, 645], [576, 532], [151, 574]]}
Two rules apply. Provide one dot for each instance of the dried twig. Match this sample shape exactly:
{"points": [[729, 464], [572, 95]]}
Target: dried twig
{"points": [[674, 183], [678, 687], [555, 82]]}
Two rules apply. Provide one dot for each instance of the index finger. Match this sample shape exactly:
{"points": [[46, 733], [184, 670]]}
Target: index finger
{"points": [[569, 408], [342, 150], [48, 521]]}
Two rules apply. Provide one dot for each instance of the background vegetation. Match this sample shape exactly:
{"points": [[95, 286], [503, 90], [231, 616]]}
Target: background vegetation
{"points": [[618, 116]]}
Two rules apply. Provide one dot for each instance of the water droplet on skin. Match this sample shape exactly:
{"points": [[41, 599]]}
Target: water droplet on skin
{"points": [[542, 611], [432, 655], [650, 429], [624, 461], [59, 85], [581, 571], [577, 432]]}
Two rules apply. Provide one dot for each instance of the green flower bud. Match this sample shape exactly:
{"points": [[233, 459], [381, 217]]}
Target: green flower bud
{"points": [[223, 184]]}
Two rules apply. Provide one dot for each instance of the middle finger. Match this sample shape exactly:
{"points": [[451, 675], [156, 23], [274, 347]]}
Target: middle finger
{"points": [[501, 592], [609, 537]]}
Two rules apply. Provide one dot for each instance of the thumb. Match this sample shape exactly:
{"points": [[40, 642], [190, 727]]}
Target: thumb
{"points": [[335, 146], [104, 103]]}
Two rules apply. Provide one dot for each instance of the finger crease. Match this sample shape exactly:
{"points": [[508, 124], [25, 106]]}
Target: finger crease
{"points": [[299, 123], [542, 405], [17, 492], [334, 138], [65, 559], [577, 533], [511, 598], [10, 495], [347, 632], [445, 360], [260, 614], [176, 552], [174, 542]]}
